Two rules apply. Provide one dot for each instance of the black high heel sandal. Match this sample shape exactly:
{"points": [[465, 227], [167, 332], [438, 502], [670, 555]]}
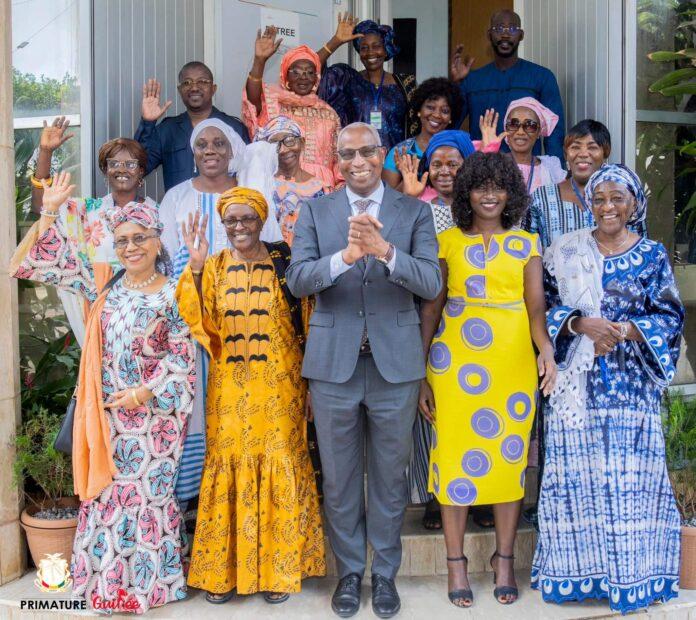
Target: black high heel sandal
{"points": [[503, 590], [462, 593]]}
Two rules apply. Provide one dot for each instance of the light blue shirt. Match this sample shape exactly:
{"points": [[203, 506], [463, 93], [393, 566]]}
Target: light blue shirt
{"points": [[338, 265]]}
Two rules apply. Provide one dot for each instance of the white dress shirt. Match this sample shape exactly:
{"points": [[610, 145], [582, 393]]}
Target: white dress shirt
{"points": [[338, 265]]}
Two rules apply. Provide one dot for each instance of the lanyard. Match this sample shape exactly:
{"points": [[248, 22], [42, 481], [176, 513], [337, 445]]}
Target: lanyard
{"points": [[579, 196], [377, 93], [531, 174]]}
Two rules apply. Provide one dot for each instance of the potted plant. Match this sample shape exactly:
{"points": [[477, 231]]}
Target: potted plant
{"points": [[45, 475], [679, 424]]}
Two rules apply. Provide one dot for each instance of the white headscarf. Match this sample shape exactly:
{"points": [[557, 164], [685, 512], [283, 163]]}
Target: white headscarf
{"points": [[236, 142], [257, 172]]}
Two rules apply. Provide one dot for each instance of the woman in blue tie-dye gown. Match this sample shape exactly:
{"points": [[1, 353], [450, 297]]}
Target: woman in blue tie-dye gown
{"points": [[608, 522]]}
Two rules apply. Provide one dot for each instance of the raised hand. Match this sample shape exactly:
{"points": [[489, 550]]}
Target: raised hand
{"points": [[407, 165], [488, 124], [344, 28], [58, 192], [460, 65], [196, 242], [266, 44], [53, 136], [151, 110]]}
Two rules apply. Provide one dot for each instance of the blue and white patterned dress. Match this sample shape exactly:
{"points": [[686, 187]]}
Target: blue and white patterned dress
{"points": [[608, 522]]}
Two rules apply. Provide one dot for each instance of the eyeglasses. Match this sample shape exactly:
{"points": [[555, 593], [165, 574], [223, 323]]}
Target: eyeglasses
{"points": [[137, 240], [511, 30], [128, 164], [247, 221], [617, 201], [529, 126], [365, 152], [202, 83], [288, 141], [298, 73]]}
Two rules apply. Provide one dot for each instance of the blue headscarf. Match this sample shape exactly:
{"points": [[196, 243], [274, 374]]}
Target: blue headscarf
{"points": [[618, 173], [456, 138], [369, 27]]}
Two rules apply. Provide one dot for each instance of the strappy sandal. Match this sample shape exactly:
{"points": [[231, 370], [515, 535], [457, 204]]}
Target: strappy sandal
{"points": [[275, 598], [432, 518], [462, 594], [218, 599], [483, 517], [503, 590]]}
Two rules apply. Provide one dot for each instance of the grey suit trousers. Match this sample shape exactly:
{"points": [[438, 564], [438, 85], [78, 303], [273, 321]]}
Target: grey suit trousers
{"points": [[365, 409]]}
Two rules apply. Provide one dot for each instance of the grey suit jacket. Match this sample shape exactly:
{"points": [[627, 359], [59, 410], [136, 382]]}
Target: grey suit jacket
{"points": [[367, 293]]}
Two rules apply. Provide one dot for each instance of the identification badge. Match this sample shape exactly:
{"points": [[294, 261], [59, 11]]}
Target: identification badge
{"points": [[376, 119]]}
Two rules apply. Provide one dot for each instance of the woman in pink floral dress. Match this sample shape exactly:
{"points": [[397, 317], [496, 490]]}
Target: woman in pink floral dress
{"points": [[130, 541]]}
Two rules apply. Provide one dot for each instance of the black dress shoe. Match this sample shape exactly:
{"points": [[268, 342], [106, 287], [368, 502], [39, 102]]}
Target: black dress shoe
{"points": [[385, 598], [345, 601]]}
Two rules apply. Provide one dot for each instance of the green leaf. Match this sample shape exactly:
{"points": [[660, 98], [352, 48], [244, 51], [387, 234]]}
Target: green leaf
{"points": [[663, 56], [679, 90], [672, 78]]}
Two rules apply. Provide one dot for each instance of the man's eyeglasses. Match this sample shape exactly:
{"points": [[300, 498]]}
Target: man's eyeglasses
{"points": [[128, 164], [288, 141], [247, 221], [202, 83], [138, 240], [365, 152], [511, 30], [528, 125], [299, 73]]}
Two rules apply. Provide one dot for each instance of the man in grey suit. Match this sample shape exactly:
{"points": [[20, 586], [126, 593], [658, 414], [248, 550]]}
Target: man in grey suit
{"points": [[365, 252]]}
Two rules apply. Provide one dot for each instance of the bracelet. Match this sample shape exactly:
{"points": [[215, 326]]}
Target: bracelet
{"points": [[570, 326], [37, 183], [196, 273], [49, 213], [328, 49], [623, 330], [389, 254], [135, 398], [254, 79]]}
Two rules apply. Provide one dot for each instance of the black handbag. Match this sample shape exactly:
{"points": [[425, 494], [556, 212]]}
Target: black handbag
{"points": [[64, 439]]}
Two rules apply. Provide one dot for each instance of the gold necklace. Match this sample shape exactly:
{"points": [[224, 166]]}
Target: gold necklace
{"points": [[612, 251]]}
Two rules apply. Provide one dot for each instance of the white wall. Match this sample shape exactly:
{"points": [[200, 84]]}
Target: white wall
{"points": [[432, 34]]}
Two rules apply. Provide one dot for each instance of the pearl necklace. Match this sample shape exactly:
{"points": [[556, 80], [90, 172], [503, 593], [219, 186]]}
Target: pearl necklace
{"points": [[130, 284], [613, 251]]}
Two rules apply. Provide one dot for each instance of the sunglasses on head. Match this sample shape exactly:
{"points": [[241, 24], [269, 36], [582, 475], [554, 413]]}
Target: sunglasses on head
{"points": [[528, 125]]}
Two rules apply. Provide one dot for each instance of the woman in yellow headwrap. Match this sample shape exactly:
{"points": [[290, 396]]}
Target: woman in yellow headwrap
{"points": [[259, 526]]}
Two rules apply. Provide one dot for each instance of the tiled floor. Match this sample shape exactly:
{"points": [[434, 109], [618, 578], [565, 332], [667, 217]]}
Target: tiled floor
{"points": [[423, 598]]}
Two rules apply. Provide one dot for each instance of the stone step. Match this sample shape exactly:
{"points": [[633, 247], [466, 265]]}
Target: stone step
{"points": [[421, 597], [424, 550]]}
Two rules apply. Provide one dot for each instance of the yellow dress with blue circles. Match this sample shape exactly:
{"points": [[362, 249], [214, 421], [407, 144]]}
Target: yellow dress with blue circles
{"points": [[482, 369]]}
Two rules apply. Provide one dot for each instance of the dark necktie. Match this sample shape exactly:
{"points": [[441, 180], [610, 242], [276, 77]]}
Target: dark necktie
{"points": [[362, 205]]}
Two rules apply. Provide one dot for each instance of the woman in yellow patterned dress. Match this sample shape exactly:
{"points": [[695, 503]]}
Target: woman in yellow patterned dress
{"points": [[481, 383], [259, 525]]}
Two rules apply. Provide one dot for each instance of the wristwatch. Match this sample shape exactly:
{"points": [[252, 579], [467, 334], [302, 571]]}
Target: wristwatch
{"points": [[389, 254]]}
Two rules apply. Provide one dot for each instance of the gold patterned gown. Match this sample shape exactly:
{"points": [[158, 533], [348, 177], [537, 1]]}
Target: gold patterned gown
{"points": [[259, 526]]}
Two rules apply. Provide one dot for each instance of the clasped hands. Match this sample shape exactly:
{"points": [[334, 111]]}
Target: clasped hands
{"points": [[130, 398], [604, 334], [364, 238]]}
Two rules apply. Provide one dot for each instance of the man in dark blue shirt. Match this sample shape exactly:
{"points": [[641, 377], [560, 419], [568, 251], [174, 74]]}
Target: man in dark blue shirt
{"points": [[505, 79], [168, 142]]}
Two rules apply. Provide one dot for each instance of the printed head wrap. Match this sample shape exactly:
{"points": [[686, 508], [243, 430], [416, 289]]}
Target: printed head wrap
{"points": [[137, 212], [278, 124], [386, 32], [236, 143], [619, 173], [547, 118], [301, 52], [243, 196], [456, 138]]}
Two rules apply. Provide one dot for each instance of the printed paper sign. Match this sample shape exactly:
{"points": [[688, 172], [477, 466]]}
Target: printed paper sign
{"points": [[287, 23]]}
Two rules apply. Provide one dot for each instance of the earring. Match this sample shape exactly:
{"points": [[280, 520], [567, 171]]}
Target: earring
{"points": [[195, 170], [141, 182], [567, 165]]}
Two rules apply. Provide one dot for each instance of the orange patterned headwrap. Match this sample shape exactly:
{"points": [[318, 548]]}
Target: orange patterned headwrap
{"points": [[243, 196], [301, 52]]}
